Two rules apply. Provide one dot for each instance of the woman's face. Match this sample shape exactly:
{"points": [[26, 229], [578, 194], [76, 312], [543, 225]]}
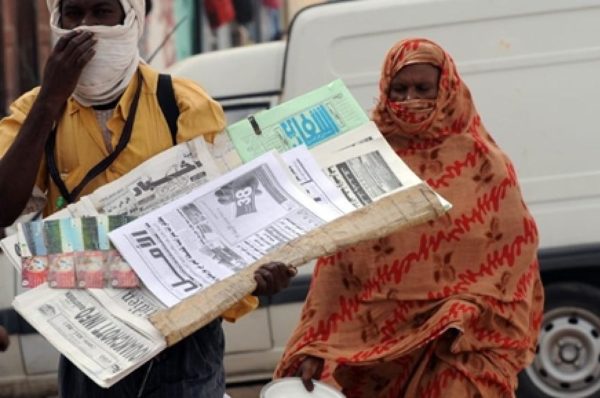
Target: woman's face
{"points": [[416, 81]]}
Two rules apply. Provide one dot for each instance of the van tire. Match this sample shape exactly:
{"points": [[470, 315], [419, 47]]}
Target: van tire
{"points": [[567, 361]]}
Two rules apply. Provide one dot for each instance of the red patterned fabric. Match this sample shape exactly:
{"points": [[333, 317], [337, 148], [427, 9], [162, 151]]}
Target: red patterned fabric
{"points": [[451, 308]]}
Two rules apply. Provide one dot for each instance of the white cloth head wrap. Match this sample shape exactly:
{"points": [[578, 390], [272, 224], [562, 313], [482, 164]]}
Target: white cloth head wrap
{"points": [[138, 6], [117, 57]]}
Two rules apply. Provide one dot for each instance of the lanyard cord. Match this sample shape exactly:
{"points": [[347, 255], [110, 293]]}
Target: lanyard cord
{"points": [[70, 197]]}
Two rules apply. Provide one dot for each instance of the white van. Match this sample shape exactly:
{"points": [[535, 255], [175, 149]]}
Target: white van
{"points": [[532, 68]]}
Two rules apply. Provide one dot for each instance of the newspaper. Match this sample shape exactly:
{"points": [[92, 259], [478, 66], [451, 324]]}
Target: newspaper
{"points": [[309, 119], [315, 183], [368, 171], [218, 229], [90, 333], [139, 302], [365, 133], [159, 180], [364, 167]]}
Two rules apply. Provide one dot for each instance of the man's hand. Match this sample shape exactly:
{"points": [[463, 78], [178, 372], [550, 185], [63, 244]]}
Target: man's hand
{"points": [[273, 277], [310, 368], [4, 341], [65, 64]]}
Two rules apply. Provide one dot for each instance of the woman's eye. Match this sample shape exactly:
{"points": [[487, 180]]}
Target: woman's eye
{"points": [[423, 87]]}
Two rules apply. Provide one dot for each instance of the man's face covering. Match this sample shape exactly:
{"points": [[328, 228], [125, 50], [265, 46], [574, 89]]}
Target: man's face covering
{"points": [[117, 26]]}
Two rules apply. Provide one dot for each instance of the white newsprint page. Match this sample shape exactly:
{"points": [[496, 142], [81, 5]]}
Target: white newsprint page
{"points": [[364, 167], [158, 180], [93, 334], [218, 229], [365, 133], [308, 174]]}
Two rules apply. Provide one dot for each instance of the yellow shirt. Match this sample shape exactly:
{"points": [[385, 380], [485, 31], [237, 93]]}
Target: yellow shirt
{"points": [[80, 144]]}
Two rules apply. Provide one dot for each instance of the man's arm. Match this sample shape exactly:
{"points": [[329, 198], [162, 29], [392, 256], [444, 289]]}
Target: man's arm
{"points": [[20, 164]]}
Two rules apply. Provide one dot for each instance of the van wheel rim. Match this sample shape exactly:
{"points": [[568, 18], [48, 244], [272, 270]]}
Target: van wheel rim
{"points": [[567, 362]]}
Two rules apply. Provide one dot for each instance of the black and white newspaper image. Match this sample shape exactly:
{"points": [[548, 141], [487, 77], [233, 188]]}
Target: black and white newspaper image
{"points": [[89, 333], [365, 167], [216, 230], [364, 177]]}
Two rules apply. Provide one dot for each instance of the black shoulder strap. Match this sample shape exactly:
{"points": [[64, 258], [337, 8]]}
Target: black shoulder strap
{"points": [[168, 103]]}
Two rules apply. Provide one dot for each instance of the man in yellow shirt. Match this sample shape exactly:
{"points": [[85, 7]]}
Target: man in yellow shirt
{"points": [[95, 117]]}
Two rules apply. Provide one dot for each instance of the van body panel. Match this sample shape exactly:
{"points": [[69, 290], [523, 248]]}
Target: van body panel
{"points": [[247, 71]]}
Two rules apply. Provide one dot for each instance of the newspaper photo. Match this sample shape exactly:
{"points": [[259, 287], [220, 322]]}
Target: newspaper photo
{"points": [[364, 167], [218, 229], [102, 346], [308, 120], [368, 171]]}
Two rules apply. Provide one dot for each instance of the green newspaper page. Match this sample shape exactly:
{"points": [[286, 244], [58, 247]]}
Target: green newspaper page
{"points": [[310, 119]]}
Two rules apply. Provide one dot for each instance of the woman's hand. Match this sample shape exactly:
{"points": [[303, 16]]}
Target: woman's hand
{"points": [[273, 277], [310, 368]]}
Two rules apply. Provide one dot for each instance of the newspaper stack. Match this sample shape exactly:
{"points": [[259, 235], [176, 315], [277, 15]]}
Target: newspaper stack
{"points": [[317, 176]]}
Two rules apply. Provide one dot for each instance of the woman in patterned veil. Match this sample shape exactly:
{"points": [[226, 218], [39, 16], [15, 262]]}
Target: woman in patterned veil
{"points": [[450, 308]]}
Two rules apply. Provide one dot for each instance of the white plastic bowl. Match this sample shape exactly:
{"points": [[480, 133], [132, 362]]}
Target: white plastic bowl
{"points": [[291, 387]]}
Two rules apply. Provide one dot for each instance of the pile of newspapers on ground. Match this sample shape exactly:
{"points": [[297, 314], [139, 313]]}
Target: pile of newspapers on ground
{"points": [[291, 182]]}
